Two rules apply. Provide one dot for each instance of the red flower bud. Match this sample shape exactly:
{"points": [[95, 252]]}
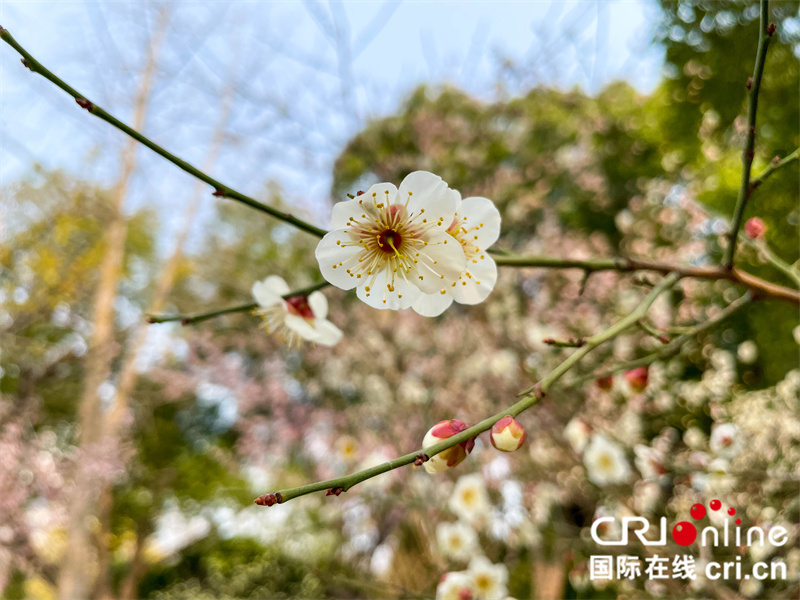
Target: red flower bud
{"points": [[754, 228], [605, 383], [637, 379], [508, 435], [452, 456]]}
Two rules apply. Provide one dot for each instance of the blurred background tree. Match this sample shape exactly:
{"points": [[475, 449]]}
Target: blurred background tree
{"points": [[220, 412]]}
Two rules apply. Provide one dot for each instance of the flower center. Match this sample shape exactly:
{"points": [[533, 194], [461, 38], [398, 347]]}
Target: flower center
{"points": [[298, 306], [389, 241]]}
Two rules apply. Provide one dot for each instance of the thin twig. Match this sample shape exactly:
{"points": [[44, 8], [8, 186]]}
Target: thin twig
{"points": [[774, 166], [766, 31], [220, 189], [200, 317], [536, 393], [671, 349]]}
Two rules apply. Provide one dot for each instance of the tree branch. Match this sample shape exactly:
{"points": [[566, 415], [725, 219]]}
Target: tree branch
{"points": [[532, 396], [200, 317], [754, 85], [671, 349], [220, 189], [758, 286]]}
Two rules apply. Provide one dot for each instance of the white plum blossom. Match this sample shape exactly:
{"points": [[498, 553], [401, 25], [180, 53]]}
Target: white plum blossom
{"points": [[457, 540], [605, 462], [392, 245], [470, 500], [488, 581], [455, 586], [726, 441], [296, 318], [649, 461], [577, 434], [476, 226]]}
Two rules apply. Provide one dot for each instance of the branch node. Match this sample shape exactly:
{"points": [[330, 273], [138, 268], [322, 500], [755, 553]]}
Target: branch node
{"points": [[771, 29], [85, 104], [269, 499], [586, 274], [749, 84], [218, 193], [421, 459], [334, 491], [538, 391], [185, 321], [776, 160], [571, 343], [26, 64]]}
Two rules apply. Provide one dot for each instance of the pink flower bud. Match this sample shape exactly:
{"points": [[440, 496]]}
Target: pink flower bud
{"points": [[452, 456], [754, 228], [605, 383], [637, 379], [508, 435]]}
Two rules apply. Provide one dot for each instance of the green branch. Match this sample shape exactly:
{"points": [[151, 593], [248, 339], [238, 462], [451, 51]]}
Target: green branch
{"points": [[343, 484], [220, 189], [774, 166], [200, 317], [671, 349], [766, 31], [758, 286]]}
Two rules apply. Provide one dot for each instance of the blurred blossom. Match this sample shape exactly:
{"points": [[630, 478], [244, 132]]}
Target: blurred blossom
{"points": [[694, 438], [297, 318], [577, 434], [605, 462], [455, 586], [488, 580], [726, 441], [747, 352], [457, 541], [469, 500]]}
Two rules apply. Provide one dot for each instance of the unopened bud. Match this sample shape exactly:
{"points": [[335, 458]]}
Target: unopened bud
{"points": [[771, 29], [84, 103], [637, 379], [605, 383], [754, 228], [269, 499], [452, 456], [508, 435]]}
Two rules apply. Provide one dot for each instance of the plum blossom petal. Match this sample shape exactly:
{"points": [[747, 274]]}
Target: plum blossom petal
{"points": [[432, 305], [318, 304], [270, 290]]}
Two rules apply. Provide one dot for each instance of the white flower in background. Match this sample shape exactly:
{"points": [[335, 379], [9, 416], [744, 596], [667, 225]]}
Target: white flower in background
{"points": [[605, 462], [297, 318], [470, 500], [476, 226], [457, 540], [455, 586], [577, 434], [726, 441], [489, 581], [747, 352], [694, 438], [649, 461], [393, 244]]}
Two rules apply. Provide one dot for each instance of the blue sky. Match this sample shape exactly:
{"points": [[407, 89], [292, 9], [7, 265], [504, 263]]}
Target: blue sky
{"points": [[310, 74]]}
